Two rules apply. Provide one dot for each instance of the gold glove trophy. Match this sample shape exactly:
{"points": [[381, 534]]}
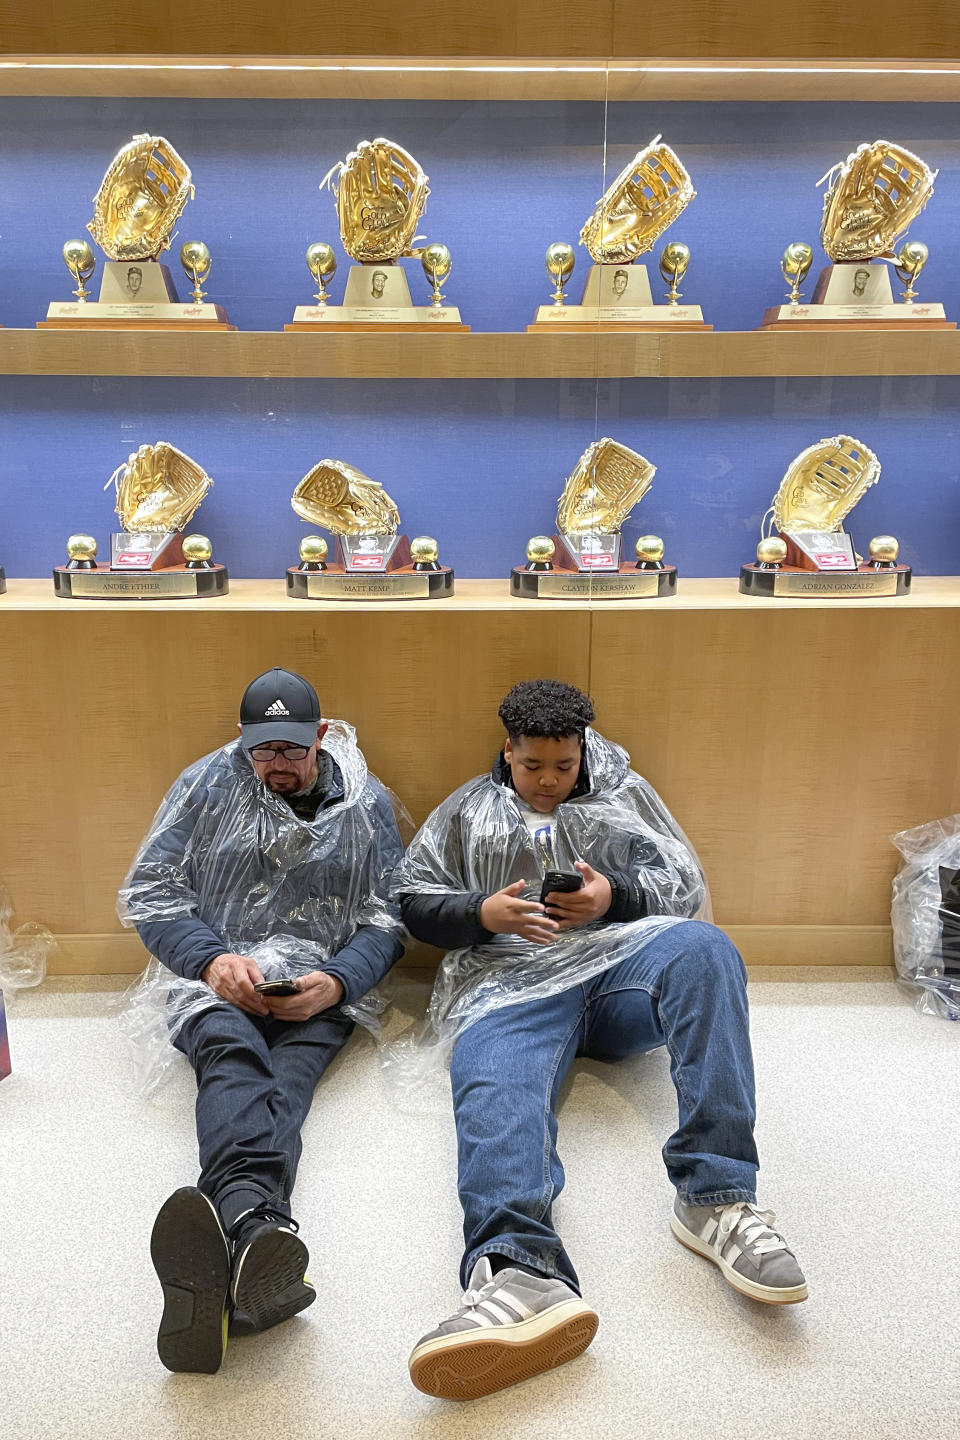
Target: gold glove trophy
{"points": [[583, 559], [813, 555], [628, 219], [872, 198], [135, 211], [370, 561], [380, 193], [158, 490]]}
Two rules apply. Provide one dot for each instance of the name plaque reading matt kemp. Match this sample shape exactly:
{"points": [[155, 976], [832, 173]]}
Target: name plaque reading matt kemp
{"points": [[642, 586], [93, 584], [836, 586], [368, 587]]}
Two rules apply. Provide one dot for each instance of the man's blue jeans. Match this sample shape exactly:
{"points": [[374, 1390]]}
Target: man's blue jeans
{"points": [[686, 989]]}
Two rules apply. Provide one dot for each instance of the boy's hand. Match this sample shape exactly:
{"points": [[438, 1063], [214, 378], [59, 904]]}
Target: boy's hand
{"points": [[504, 913], [318, 991], [579, 907], [233, 977]]}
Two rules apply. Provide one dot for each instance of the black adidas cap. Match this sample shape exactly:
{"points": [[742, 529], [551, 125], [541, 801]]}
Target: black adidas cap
{"points": [[279, 705]]}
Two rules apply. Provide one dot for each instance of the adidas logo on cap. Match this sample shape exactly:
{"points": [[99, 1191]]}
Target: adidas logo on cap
{"points": [[277, 708]]}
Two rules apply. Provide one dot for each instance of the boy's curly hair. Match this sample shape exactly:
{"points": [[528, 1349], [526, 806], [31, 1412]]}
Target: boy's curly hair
{"points": [[548, 709]]}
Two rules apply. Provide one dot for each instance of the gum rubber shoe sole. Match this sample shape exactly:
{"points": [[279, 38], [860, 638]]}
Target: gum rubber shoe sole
{"points": [[269, 1285], [471, 1363], [766, 1294], [192, 1262]]}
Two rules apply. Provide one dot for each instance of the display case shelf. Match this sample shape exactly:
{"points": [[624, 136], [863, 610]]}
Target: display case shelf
{"points": [[928, 592], [478, 356]]}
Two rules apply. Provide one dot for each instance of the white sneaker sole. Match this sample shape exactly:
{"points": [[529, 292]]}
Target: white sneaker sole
{"points": [[766, 1294], [471, 1363]]}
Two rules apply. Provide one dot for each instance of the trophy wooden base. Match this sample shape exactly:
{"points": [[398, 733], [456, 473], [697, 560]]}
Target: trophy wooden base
{"points": [[377, 318], [72, 315], [627, 583], [574, 319], [856, 317], [334, 583], [178, 583], [794, 582]]}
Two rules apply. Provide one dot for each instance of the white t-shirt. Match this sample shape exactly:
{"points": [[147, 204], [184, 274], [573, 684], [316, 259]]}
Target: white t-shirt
{"points": [[541, 829]]}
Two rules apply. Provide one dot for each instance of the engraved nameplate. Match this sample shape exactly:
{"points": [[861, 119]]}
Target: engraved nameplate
{"points": [[641, 586], [875, 582], [376, 315], [324, 586], [634, 315], [105, 584], [830, 314], [188, 313]]}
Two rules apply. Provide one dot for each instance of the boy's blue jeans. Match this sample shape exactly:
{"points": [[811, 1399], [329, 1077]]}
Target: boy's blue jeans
{"points": [[686, 989]]}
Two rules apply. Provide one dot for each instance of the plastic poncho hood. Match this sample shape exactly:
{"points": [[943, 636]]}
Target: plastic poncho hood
{"points": [[477, 840], [289, 893]]}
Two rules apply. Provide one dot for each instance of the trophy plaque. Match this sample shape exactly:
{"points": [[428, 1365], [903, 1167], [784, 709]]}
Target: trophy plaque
{"points": [[583, 560], [158, 490], [812, 556], [380, 193], [628, 219], [140, 200], [371, 561], [871, 199]]}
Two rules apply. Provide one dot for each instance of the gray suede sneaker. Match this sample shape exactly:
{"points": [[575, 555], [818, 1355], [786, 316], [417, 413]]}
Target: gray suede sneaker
{"points": [[510, 1327], [738, 1238]]}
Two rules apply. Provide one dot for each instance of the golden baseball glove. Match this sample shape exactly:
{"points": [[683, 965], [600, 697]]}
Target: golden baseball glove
{"points": [[140, 199], [608, 481], [380, 193], [872, 197], [634, 211], [344, 501], [159, 488], [823, 484]]}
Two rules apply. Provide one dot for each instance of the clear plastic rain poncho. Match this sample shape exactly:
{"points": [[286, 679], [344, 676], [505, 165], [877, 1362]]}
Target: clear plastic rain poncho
{"points": [[288, 893], [926, 914], [477, 840], [23, 952]]}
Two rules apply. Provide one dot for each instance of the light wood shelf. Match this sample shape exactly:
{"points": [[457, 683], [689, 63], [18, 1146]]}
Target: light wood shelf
{"points": [[478, 356], [929, 592]]}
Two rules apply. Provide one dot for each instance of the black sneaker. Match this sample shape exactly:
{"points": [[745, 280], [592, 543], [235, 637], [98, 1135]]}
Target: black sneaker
{"points": [[269, 1260], [191, 1256]]}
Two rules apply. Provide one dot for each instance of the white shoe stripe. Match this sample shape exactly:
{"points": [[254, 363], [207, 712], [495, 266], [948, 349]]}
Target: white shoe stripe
{"points": [[500, 1315]]}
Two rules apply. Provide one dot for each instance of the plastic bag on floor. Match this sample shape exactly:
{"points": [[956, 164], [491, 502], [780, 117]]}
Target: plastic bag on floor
{"points": [[289, 893], [24, 952], [925, 914], [477, 840]]}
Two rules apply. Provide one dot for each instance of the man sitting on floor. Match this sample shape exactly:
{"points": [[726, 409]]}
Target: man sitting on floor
{"points": [[266, 862], [535, 977]]}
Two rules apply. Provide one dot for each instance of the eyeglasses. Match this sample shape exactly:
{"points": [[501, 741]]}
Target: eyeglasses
{"points": [[285, 752]]}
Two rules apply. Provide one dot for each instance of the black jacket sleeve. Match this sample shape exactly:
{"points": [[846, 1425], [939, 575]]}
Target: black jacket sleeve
{"points": [[629, 897], [450, 921]]}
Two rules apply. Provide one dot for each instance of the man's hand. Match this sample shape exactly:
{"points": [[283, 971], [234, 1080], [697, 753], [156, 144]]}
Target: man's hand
{"points": [[579, 907], [318, 991], [503, 913], [233, 978]]}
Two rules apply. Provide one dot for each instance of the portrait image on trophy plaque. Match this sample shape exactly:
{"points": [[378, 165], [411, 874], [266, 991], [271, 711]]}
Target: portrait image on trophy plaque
{"points": [[135, 212], [627, 221], [370, 560], [870, 202], [812, 555], [380, 193], [158, 490], [583, 559]]}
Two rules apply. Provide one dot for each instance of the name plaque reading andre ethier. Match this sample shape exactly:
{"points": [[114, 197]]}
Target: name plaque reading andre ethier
{"points": [[92, 583]]}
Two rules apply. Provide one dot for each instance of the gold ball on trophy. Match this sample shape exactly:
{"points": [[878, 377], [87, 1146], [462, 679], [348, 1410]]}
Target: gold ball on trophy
{"points": [[313, 549], [797, 259], [674, 262], [772, 551], [540, 549], [885, 548], [78, 257], [81, 547], [436, 263], [195, 258], [321, 261], [649, 547], [196, 549], [912, 258], [424, 550], [560, 261]]}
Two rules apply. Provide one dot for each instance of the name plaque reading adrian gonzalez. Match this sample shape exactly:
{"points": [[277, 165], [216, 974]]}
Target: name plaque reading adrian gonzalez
{"points": [[325, 586], [811, 583]]}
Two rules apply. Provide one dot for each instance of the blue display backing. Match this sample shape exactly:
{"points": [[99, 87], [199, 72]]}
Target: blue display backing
{"points": [[478, 464]]}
